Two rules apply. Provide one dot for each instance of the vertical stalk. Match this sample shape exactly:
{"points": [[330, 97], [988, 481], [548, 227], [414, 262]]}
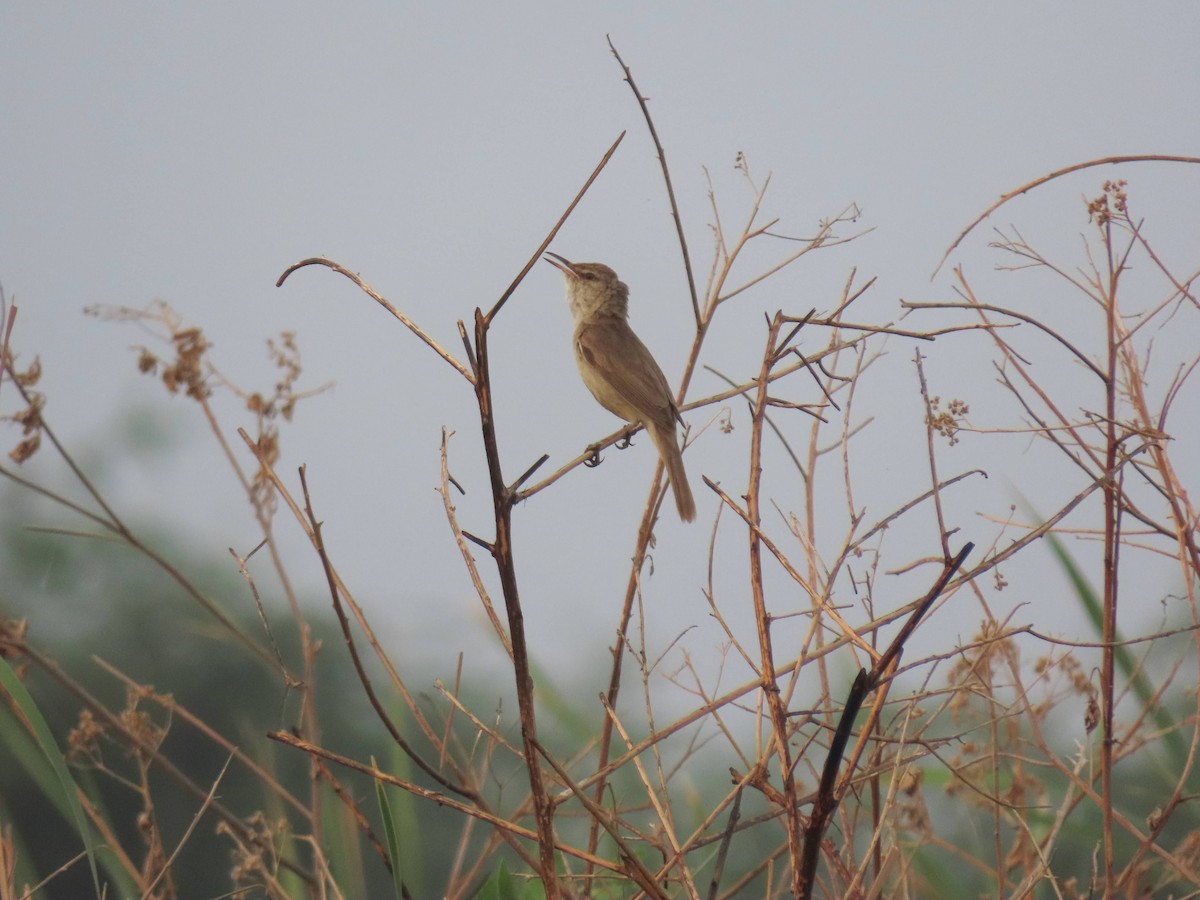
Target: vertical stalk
{"points": [[502, 553], [762, 618], [1112, 491]]}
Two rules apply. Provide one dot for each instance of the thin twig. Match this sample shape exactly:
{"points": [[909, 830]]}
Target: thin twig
{"points": [[445, 800], [1058, 173], [537, 254], [363, 678], [382, 301], [166, 865], [662, 159]]}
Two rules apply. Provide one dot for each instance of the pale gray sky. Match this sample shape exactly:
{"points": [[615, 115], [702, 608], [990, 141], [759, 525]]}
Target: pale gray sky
{"points": [[190, 152]]}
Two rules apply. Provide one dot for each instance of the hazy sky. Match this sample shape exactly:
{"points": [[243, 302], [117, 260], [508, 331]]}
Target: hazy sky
{"points": [[190, 152]]}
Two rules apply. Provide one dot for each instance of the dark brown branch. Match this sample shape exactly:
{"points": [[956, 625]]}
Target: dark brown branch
{"points": [[879, 670], [360, 670], [537, 254], [827, 798], [528, 473], [478, 541], [735, 813]]}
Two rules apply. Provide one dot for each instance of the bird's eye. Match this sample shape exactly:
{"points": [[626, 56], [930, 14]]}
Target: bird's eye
{"points": [[589, 276]]}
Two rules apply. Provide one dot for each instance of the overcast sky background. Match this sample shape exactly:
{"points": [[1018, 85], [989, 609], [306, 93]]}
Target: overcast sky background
{"points": [[191, 152]]}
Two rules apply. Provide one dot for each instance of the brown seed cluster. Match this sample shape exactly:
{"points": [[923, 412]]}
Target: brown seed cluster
{"points": [[948, 421], [1112, 201], [29, 418]]}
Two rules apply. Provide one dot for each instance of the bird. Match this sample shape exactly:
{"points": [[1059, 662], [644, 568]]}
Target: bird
{"points": [[618, 368]]}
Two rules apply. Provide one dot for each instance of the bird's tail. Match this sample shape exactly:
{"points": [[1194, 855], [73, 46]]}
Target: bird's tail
{"points": [[668, 449]]}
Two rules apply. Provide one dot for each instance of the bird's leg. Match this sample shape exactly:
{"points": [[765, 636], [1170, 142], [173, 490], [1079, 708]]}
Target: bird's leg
{"points": [[625, 440]]}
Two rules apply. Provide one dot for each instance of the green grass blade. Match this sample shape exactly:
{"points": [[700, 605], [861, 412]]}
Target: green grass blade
{"points": [[391, 835], [1093, 608], [49, 749]]}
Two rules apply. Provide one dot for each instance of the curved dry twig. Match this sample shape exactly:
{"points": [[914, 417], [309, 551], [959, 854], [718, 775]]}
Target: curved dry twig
{"points": [[1030, 320], [1058, 173], [378, 298]]}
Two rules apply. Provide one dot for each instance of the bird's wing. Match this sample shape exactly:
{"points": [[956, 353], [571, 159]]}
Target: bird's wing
{"points": [[627, 372]]}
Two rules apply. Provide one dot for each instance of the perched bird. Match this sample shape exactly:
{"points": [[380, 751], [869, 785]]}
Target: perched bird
{"points": [[618, 369]]}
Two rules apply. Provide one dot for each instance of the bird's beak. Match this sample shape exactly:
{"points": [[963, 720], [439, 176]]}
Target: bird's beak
{"points": [[561, 262]]}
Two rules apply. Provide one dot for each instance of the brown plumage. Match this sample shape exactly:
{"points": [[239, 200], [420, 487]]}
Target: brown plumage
{"points": [[618, 369]]}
